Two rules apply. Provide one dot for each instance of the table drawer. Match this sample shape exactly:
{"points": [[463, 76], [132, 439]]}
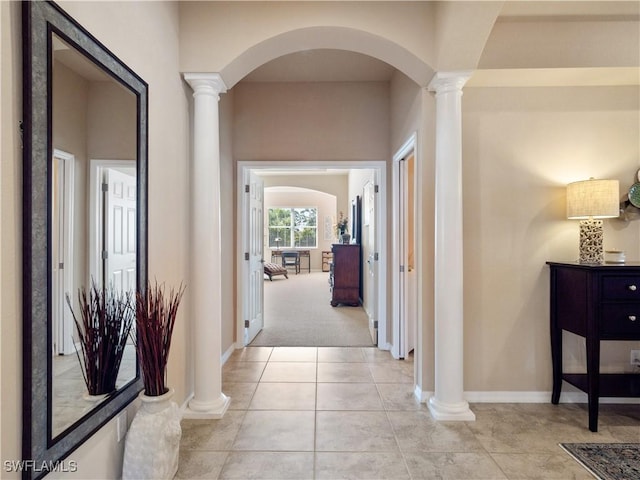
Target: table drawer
{"points": [[621, 287], [622, 319]]}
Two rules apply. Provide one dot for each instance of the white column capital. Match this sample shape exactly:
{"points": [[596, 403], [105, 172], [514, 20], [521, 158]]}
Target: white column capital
{"points": [[445, 82], [205, 83]]}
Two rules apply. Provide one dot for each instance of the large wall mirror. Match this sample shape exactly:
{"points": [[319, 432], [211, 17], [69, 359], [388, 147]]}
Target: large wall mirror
{"points": [[85, 221]]}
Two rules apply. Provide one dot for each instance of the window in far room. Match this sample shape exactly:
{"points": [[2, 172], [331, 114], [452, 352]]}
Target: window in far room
{"points": [[293, 227]]}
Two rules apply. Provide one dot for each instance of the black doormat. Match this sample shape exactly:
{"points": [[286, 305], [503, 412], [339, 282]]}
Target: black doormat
{"points": [[607, 461]]}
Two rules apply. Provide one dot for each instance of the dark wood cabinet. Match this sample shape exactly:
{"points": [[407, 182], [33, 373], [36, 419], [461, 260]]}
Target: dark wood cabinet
{"points": [[345, 275], [597, 302]]}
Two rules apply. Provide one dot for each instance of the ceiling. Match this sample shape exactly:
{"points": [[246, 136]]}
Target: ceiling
{"points": [[329, 65]]}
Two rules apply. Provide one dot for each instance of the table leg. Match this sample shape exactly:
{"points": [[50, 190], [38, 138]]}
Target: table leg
{"points": [[593, 381], [556, 350]]}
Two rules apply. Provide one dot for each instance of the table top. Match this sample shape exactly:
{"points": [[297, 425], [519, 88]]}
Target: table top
{"points": [[595, 265]]}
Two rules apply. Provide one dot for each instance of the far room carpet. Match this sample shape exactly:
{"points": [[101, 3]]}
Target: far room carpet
{"points": [[607, 461], [297, 313]]}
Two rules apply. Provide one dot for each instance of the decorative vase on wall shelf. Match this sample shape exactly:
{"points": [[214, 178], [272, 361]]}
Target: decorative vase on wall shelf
{"points": [[153, 441]]}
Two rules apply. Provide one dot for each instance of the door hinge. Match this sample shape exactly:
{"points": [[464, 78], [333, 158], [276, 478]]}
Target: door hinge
{"points": [[376, 188], [246, 324], [61, 266], [246, 255], [105, 187], [375, 324], [375, 256], [401, 268], [247, 189], [105, 254]]}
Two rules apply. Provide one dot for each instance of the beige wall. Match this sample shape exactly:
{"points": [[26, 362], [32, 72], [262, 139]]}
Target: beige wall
{"points": [[69, 129], [111, 118], [336, 185], [10, 229], [311, 121], [521, 146], [239, 30], [412, 112], [135, 32]]}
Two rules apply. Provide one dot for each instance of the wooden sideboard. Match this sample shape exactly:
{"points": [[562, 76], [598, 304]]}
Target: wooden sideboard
{"points": [[345, 274], [597, 302], [327, 257]]}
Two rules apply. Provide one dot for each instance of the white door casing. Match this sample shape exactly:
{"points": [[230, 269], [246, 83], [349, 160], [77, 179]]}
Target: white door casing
{"points": [[404, 275], [62, 251], [411, 307], [380, 234]]}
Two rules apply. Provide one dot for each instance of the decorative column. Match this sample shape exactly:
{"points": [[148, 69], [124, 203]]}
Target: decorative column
{"points": [[206, 258], [447, 402]]}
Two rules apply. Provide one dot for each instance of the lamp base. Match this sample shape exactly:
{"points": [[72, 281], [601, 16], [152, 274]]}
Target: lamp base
{"points": [[591, 235]]}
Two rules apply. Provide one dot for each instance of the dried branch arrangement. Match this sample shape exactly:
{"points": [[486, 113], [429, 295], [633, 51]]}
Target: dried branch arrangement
{"points": [[155, 317], [103, 324]]}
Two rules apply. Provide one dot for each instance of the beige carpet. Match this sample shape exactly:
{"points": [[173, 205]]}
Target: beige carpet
{"points": [[297, 312]]}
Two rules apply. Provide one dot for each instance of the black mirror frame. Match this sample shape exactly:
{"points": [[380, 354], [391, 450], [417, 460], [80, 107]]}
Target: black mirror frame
{"points": [[40, 20]]}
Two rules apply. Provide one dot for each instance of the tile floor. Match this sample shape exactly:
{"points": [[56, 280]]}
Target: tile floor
{"points": [[349, 413]]}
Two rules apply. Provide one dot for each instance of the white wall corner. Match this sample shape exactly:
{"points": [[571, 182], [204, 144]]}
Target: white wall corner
{"points": [[422, 395]]}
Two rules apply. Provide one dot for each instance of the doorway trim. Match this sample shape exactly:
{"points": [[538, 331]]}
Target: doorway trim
{"points": [[380, 168], [63, 283], [399, 297]]}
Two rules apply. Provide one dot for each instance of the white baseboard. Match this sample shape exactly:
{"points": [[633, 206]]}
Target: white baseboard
{"points": [[227, 354], [421, 395], [526, 397], [507, 397], [185, 404]]}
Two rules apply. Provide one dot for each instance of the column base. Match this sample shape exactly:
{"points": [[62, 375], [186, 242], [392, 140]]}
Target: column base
{"points": [[458, 411], [207, 410]]}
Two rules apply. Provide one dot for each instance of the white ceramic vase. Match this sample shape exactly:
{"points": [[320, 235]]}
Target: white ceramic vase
{"points": [[153, 441]]}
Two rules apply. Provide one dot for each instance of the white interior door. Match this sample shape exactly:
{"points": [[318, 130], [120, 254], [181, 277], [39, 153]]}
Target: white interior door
{"points": [[254, 270], [120, 230], [369, 246]]}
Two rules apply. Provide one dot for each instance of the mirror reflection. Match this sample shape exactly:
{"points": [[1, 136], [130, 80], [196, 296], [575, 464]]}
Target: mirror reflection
{"points": [[93, 213]]}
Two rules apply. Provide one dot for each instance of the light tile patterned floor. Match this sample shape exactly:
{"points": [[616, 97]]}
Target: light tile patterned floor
{"points": [[349, 413]]}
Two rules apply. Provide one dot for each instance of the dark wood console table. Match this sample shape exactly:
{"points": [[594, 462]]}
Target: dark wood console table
{"points": [[597, 302]]}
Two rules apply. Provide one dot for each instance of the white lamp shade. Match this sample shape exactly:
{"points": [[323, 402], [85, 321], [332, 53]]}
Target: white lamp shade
{"points": [[593, 199]]}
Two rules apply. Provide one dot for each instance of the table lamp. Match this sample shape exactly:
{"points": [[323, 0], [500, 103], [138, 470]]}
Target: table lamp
{"points": [[277, 240], [590, 201]]}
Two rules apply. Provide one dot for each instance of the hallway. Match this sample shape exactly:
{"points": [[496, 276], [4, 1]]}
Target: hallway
{"points": [[327, 413], [298, 313]]}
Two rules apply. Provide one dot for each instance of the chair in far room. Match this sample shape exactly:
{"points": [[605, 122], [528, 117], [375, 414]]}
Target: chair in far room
{"points": [[291, 259]]}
